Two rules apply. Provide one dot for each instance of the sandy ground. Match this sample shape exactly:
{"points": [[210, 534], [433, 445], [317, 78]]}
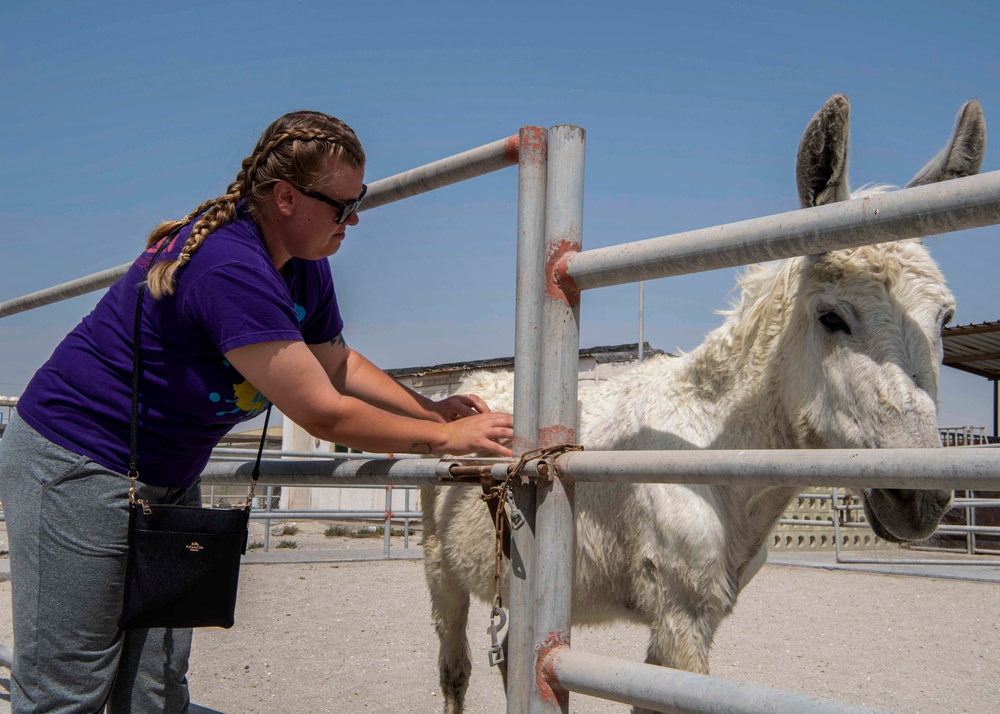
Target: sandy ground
{"points": [[357, 637]]}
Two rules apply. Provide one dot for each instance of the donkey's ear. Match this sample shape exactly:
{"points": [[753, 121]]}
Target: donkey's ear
{"points": [[821, 168], [963, 154]]}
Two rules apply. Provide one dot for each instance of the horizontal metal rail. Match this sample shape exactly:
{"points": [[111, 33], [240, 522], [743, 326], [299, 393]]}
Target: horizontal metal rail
{"points": [[865, 468], [978, 530], [64, 291], [445, 172], [918, 561], [672, 690], [375, 514], [234, 451], [943, 207], [858, 468], [370, 472], [460, 167]]}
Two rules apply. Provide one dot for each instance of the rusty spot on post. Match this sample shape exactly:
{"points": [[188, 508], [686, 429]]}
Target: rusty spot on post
{"points": [[549, 688], [554, 435], [533, 145], [558, 284], [512, 148]]}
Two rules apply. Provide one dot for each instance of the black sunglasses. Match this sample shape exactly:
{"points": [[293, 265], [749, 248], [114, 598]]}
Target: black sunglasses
{"points": [[346, 209]]}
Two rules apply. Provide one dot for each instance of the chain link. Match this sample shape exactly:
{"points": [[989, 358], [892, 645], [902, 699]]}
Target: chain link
{"points": [[495, 496]]}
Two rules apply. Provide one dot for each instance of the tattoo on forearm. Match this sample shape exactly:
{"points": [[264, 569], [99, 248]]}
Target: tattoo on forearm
{"points": [[420, 448]]}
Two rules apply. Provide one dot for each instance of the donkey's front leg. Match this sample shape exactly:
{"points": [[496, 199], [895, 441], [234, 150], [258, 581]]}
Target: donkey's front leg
{"points": [[678, 640], [681, 642], [450, 611]]}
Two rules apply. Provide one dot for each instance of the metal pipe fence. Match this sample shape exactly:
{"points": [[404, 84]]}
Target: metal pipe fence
{"points": [[268, 513], [552, 269], [461, 167], [879, 468], [530, 281], [671, 690], [962, 203], [944, 207]]}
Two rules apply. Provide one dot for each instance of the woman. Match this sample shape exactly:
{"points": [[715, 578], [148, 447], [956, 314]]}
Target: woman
{"points": [[240, 309]]}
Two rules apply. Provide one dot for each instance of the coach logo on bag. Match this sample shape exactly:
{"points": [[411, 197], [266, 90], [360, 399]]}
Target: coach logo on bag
{"points": [[195, 546]]}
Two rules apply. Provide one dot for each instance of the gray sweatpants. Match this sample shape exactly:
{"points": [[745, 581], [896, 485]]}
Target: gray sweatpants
{"points": [[67, 523]]}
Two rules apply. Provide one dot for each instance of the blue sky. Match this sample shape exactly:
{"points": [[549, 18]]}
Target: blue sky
{"points": [[116, 116]]}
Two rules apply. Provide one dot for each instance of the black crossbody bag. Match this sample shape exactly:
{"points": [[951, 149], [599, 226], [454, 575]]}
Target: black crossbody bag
{"points": [[183, 561]]}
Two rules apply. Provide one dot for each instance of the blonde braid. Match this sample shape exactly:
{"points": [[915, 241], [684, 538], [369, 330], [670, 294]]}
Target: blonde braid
{"points": [[257, 174]]}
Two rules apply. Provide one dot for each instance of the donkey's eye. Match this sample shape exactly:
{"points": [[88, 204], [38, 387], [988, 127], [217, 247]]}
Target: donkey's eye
{"points": [[834, 322], [946, 317]]}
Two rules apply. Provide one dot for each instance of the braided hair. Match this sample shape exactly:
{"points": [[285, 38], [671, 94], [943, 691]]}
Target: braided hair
{"points": [[294, 149]]}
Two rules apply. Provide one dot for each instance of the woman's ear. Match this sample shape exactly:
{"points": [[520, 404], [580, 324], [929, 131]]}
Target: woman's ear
{"points": [[283, 198]]}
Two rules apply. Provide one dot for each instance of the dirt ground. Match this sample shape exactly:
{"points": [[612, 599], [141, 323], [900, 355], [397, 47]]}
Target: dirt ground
{"points": [[357, 637]]}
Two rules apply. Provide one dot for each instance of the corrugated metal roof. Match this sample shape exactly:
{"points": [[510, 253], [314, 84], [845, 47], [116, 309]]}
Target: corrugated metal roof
{"points": [[602, 354], [974, 348]]}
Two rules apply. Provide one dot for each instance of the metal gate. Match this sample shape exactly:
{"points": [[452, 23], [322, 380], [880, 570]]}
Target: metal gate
{"points": [[552, 270]]}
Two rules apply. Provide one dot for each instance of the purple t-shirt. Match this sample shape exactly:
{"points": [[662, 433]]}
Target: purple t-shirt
{"points": [[229, 295]]}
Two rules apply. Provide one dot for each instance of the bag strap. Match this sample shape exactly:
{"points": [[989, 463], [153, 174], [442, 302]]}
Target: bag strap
{"points": [[133, 459]]}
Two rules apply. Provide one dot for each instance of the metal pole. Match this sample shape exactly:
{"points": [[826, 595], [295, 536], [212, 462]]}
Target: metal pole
{"points": [[530, 287], [834, 504], [937, 208], [973, 467], [557, 407], [642, 316], [970, 518], [460, 167], [267, 520], [996, 407], [864, 468], [356, 472], [406, 520], [367, 515], [387, 528], [445, 172], [671, 690], [64, 291]]}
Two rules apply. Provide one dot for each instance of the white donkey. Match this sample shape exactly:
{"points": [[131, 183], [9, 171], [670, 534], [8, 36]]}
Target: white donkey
{"points": [[838, 350]]}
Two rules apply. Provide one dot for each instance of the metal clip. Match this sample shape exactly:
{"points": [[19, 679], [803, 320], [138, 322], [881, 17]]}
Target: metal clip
{"points": [[133, 476], [516, 517], [496, 651], [145, 507]]}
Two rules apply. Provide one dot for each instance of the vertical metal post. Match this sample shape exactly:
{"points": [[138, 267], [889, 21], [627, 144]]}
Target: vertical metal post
{"points": [[554, 545], [970, 520], [533, 141], [267, 521], [387, 528], [642, 317], [406, 521], [834, 504], [996, 407]]}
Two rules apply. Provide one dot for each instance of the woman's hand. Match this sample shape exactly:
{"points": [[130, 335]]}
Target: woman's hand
{"points": [[458, 407], [378, 414], [480, 432]]}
